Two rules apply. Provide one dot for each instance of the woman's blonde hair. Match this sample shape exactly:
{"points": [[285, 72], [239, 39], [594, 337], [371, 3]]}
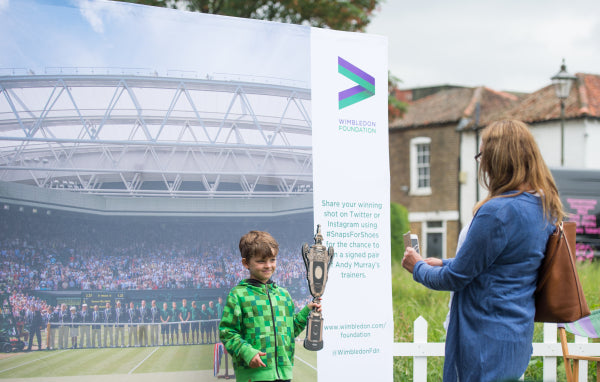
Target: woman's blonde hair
{"points": [[510, 160]]}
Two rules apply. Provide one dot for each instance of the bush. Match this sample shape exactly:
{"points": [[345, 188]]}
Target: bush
{"points": [[399, 226]]}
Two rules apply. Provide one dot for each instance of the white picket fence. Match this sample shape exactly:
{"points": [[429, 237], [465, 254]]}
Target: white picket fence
{"points": [[550, 349]]}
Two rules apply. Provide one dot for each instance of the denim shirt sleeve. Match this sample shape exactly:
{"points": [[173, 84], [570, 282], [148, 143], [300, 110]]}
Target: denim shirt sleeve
{"points": [[484, 243]]}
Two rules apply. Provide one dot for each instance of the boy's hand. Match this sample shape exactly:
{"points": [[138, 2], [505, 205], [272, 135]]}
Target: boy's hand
{"points": [[313, 305], [256, 361]]}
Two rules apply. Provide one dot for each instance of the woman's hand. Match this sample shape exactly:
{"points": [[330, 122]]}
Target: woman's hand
{"points": [[433, 261], [411, 257]]}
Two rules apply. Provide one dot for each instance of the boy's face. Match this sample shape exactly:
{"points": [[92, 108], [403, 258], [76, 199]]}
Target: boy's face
{"points": [[261, 269]]}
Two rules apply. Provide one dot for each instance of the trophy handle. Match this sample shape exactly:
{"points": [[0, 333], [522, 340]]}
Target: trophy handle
{"points": [[305, 251]]}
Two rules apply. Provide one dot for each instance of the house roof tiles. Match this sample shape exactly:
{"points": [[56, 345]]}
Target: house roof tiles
{"points": [[543, 105], [452, 105]]}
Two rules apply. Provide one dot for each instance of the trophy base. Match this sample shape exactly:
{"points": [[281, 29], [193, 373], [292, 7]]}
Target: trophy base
{"points": [[313, 345], [314, 332]]}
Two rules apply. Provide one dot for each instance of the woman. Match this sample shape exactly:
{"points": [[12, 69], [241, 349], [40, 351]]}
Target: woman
{"points": [[494, 274]]}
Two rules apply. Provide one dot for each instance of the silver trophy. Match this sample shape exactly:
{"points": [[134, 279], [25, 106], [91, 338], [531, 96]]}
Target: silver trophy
{"points": [[317, 259]]}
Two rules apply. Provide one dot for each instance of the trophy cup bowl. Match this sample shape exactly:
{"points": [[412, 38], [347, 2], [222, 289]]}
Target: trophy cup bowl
{"points": [[317, 260]]}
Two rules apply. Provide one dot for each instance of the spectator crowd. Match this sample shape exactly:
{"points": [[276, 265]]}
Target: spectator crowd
{"points": [[123, 258]]}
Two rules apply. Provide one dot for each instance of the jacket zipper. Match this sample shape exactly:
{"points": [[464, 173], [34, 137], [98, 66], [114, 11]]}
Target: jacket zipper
{"points": [[274, 329]]}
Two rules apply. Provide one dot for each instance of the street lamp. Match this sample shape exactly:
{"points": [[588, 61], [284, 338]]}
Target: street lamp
{"points": [[562, 82]]}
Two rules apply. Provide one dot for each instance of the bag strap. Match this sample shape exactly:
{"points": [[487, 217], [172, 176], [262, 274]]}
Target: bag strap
{"points": [[552, 256], [580, 295]]}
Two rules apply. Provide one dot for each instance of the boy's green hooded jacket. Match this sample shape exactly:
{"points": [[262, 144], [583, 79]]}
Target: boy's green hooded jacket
{"points": [[260, 317]]}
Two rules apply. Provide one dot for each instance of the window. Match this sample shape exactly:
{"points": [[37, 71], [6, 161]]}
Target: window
{"points": [[434, 236], [420, 169]]}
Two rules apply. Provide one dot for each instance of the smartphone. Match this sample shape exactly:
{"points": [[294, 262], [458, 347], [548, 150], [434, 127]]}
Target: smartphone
{"points": [[411, 240]]}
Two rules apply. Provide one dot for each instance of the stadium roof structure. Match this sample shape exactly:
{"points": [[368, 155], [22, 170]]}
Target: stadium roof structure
{"points": [[132, 134]]}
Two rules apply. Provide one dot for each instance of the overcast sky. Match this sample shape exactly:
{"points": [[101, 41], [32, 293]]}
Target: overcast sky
{"points": [[503, 44]]}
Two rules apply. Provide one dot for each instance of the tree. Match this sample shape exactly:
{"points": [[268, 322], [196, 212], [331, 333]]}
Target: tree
{"points": [[348, 15], [399, 226], [396, 108]]}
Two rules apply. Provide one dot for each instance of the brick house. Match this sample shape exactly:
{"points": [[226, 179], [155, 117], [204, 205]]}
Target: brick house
{"points": [[425, 167]]}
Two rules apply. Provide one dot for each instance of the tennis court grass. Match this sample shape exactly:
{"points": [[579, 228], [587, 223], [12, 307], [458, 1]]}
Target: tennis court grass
{"points": [[148, 364]]}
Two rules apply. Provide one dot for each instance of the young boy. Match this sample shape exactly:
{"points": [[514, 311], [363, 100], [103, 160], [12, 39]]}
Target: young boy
{"points": [[258, 326]]}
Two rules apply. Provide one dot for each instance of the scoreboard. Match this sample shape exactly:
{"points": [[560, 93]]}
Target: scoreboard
{"points": [[100, 298]]}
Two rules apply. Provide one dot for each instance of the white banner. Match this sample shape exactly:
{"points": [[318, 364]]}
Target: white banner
{"points": [[351, 202]]}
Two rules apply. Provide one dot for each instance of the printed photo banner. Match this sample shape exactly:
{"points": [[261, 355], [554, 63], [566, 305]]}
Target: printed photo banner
{"points": [[285, 110]]}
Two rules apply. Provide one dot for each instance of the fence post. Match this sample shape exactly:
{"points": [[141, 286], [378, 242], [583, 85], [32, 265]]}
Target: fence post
{"points": [[549, 362], [420, 363], [583, 365]]}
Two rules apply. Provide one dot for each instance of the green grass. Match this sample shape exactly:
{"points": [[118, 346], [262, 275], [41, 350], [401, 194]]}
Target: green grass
{"points": [[117, 362], [411, 300]]}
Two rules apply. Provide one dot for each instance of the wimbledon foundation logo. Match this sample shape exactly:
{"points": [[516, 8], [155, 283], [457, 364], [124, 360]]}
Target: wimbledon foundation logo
{"points": [[364, 89]]}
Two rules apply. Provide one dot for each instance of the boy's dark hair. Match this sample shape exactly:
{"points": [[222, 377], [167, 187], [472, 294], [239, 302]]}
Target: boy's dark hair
{"points": [[258, 244]]}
